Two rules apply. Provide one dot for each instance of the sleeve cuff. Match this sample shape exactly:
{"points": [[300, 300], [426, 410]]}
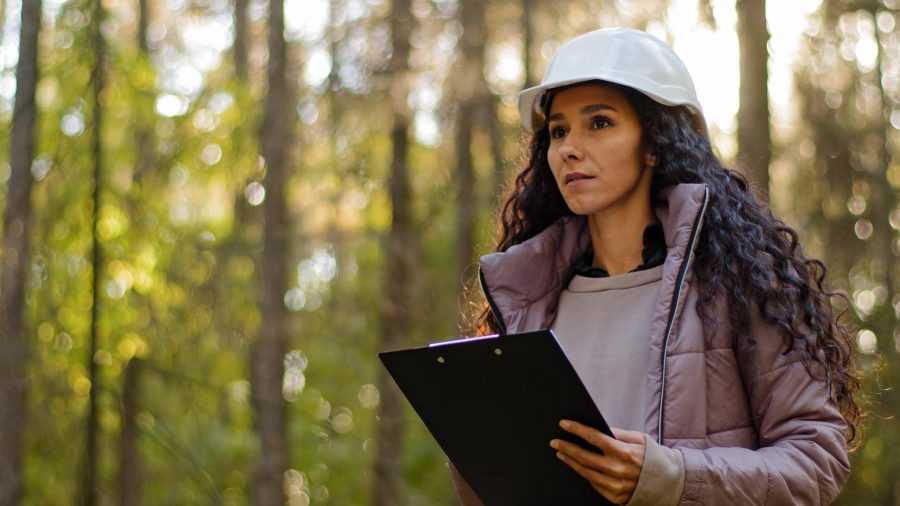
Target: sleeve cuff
{"points": [[662, 476]]}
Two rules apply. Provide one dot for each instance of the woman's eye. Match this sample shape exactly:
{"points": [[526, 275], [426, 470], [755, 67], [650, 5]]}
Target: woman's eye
{"points": [[557, 132], [600, 122]]}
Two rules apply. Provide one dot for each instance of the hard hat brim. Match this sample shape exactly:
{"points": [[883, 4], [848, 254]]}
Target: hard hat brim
{"points": [[622, 56], [531, 113]]}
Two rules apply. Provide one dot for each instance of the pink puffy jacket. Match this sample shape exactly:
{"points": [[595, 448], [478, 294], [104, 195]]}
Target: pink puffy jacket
{"points": [[753, 425]]}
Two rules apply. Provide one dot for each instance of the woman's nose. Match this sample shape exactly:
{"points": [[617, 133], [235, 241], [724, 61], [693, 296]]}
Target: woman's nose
{"points": [[570, 148]]}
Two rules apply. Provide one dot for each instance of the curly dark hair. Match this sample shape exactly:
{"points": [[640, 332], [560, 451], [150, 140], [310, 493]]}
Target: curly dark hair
{"points": [[750, 257]]}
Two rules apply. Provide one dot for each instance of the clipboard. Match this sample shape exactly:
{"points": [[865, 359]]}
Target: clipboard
{"points": [[493, 404]]}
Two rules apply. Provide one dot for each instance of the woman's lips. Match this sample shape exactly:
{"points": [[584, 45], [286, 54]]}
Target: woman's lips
{"points": [[576, 177]]}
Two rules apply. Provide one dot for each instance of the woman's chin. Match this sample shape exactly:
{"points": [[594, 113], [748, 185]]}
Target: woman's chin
{"points": [[583, 210]]}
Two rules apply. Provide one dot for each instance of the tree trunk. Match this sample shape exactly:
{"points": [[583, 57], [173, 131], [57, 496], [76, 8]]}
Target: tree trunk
{"points": [[474, 102], [130, 470], [399, 258], [706, 13], [89, 483], [268, 354], [754, 143], [15, 258], [465, 192], [129, 459], [143, 110], [240, 39], [498, 150], [527, 41], [3, 6], [143, 23]]}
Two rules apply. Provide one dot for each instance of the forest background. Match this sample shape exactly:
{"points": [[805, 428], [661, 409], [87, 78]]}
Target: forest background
{"points": [[216, 212]]}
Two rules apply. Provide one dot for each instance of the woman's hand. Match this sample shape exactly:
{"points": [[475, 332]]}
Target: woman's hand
{"points": [[615, 472]]}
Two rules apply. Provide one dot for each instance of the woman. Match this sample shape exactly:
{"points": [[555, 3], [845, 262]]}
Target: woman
{"points": [[702, 332]]}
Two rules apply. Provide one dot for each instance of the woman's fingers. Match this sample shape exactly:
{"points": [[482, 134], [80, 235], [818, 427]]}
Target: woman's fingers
{"points": [[584, 457], [614, 469], [629, 447], [628, 436], [588, 472], [591, 435], [609, 466], [617, 491]]}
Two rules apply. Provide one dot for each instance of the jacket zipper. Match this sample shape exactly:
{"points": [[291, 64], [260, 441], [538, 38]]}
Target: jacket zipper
{"points": [[673, 310], [491, 304]]}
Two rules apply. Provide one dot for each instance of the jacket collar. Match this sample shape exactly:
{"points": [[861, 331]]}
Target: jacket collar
{"points": [[523, 284]]}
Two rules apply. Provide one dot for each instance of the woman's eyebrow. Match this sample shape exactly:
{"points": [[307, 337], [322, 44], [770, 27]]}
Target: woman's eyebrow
{"points": [[588, 109]]}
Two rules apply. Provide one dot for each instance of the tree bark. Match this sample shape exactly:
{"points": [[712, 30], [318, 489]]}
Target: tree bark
{"points": [[473, 96], [143, 109], [130, 465], [240, 39], [143, 23], [129, 458], [497, 149], [267, 366], [465, 193], [753, 131], [400, 253], [89, 478], [527, 42], [706, 13], [15, 259]]}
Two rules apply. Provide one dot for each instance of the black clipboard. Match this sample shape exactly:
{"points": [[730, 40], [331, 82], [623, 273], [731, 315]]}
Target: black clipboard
{"points": [[493, 404]]}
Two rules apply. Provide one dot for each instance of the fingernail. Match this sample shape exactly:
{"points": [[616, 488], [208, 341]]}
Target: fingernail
{"points": [[564, 424], [554, 444], [560, 456]]}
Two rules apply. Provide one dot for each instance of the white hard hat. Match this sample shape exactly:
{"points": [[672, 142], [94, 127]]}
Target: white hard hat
{"points": [[623, 56]]}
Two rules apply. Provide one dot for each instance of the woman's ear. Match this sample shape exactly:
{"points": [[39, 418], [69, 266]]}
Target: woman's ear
{"points": [[650, 161]]}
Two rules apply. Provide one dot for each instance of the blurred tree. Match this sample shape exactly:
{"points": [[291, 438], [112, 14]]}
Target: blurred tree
{"points": [[528, 7], [144, 121], [268, 354], [239, 46], [89, 484], [754, 139], [473, 110], [155, 292], [143, 22], [16, 259], [707, 14], [129, 482], [400, 250], [129, 458], [847, 187]]}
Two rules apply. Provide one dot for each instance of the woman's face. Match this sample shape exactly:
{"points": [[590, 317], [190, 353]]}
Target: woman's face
{"points": [[595, 151]]}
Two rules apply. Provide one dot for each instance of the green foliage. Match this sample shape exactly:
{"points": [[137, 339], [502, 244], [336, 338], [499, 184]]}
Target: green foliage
{"points": [[181, 228], [846, 160]]}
